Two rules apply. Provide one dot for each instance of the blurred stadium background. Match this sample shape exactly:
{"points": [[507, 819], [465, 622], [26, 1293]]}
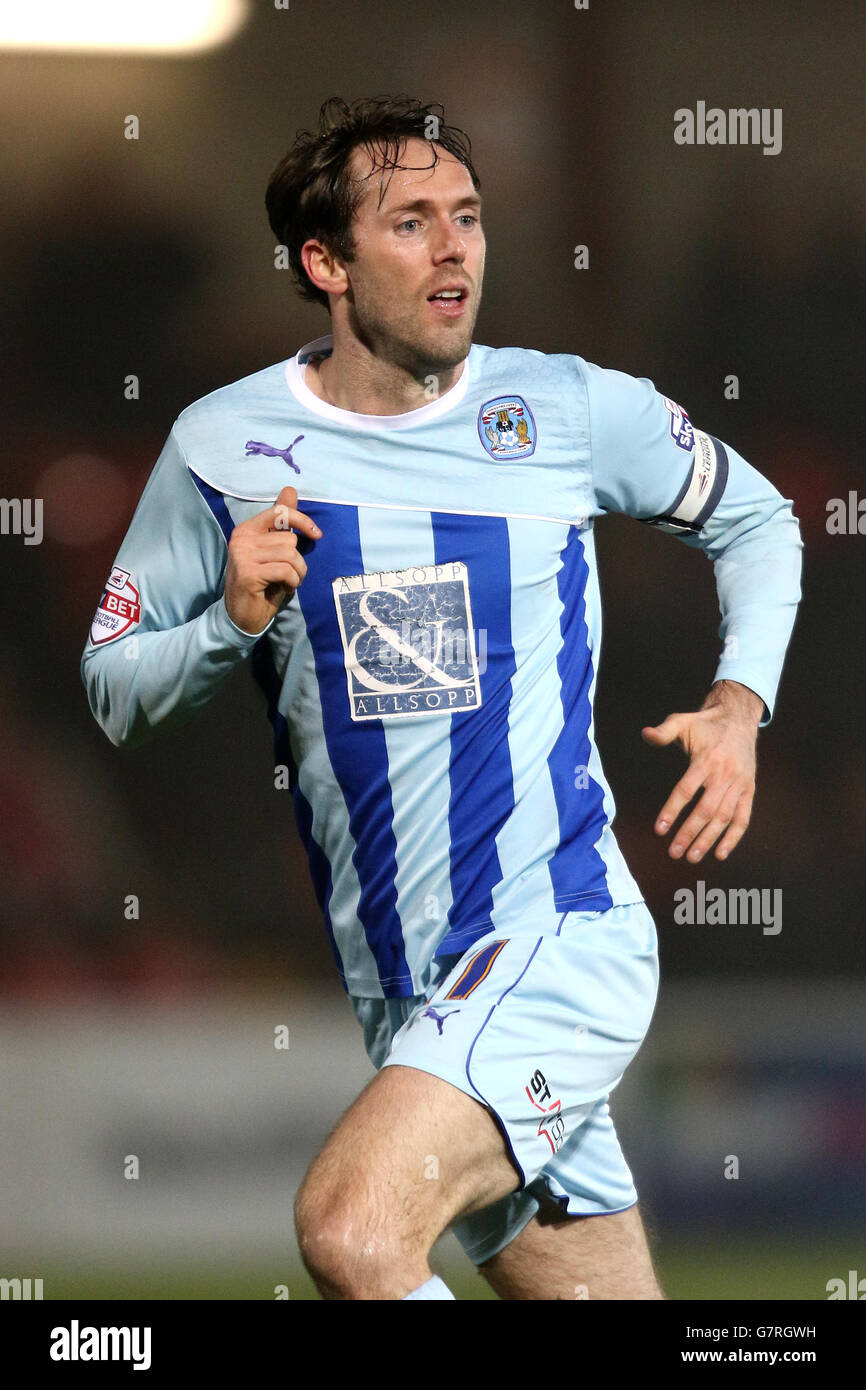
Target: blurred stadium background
{"points": [[154, 1036]]}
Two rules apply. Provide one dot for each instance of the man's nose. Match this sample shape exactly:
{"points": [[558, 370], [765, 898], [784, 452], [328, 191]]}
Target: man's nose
{"points": [[449, 244]]}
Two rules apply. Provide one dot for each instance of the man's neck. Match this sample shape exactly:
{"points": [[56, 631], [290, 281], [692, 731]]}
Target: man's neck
{"points": [[352, 378]]}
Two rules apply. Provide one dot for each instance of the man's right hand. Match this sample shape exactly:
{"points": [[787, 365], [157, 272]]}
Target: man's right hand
{"points": [[265, 566]]}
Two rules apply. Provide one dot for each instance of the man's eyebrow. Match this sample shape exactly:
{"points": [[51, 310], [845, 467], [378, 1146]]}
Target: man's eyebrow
{"points": [[425, 204]]}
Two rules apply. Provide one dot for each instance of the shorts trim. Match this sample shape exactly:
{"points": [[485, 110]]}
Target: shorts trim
{"points": [[584, 1215], [490, 1107], [477, 970], [477, 1252]]}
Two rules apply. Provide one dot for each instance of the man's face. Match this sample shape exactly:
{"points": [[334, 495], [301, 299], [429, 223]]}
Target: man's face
{"points": [[425, 237]]}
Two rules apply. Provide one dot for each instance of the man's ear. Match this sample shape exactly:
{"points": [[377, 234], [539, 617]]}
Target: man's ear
{"points": [[325, 269]]}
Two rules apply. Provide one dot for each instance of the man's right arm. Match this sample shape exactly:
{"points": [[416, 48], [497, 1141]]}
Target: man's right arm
{"points": [[162, 642]]}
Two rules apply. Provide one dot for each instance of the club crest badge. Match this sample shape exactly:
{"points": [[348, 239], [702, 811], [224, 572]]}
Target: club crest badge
{"points": [[119, 608], [506, 428]]}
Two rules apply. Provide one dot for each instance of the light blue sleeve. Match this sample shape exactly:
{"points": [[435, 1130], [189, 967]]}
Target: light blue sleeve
{"points": [[650, 462], [162, 642]]}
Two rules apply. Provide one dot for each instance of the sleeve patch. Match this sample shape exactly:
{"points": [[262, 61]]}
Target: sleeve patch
{"points": [[681, 427], [119, 608], [702, 489]]}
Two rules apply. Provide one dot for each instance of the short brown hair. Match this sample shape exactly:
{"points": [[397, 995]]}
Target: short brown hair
{"points": [[311, 194]]}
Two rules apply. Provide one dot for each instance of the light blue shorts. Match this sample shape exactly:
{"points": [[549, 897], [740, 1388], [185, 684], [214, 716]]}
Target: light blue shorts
{"points": [[539, 1026]]}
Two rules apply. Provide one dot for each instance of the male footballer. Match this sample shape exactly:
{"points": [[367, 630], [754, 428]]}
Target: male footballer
{"points": [[395, 528]]}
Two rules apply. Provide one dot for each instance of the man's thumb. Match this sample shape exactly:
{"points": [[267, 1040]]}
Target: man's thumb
{"points": [[666, 732]]}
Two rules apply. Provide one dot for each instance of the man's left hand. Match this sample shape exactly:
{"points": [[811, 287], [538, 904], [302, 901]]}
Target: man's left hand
{"points": [[719, 739]]}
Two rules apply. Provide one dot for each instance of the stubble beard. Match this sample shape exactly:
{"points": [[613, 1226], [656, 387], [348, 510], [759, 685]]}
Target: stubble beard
{"points": [[403, 342]]}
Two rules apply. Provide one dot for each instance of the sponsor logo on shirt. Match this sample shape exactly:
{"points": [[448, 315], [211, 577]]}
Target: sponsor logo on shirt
{"points": [[408, 641], [119, 608], [506, 428]]}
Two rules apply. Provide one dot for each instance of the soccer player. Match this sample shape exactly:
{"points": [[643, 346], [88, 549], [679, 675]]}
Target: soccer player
{"points": [[395, 528]]}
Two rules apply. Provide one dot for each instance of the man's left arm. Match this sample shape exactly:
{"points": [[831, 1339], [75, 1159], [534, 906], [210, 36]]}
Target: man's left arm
{"points": [[649, 462]]}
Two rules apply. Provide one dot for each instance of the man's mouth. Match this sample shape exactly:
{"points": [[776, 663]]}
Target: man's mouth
{"points": [[450, 302]]}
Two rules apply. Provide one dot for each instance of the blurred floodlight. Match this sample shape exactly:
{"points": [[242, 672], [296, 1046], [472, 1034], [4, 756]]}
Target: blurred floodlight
{"points": [[111, 26], [86, 498]]}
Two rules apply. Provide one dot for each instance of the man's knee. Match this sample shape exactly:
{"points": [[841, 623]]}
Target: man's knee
{"points": [[370, 1205], [350, 1247], [325, 1234]]}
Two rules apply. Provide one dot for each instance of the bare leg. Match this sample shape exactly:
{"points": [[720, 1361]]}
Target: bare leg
{"points": [[576, 1257], [408, 1157]]}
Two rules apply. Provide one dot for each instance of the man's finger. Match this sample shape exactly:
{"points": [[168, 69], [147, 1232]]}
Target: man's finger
{"points": [[268, 544], [284, 516], [288, 573], [715, 788], [263, 521], [691, 782], [288, 497], [705, 825], [738, 827], [288, 518]]}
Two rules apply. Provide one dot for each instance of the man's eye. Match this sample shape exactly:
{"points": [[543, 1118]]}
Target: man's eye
{"points": [[411, 222], [467, 217]]}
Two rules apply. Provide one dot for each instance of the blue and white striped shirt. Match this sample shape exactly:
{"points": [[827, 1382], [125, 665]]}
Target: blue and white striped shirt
{"points": [[431, 682]]}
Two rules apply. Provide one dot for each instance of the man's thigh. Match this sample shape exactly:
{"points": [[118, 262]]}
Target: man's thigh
{"points": [[409, 1155], [588, 1257], [540, 1029]]}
